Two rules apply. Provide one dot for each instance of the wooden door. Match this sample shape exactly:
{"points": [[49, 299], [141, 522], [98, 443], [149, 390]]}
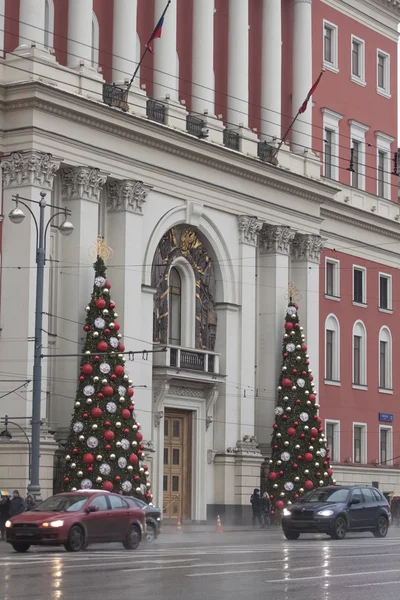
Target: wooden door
{"points": [[177, 464]]}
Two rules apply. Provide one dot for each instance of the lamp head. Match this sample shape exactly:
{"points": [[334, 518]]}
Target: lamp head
{"points": [[16, 216], [66, 228]]}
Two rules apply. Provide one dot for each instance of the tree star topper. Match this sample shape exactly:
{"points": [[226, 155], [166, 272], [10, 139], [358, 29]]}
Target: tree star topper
{"points": [[100, 249], [292, 293]]}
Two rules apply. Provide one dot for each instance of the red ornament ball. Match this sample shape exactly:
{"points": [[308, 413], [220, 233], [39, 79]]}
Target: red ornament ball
{"points": [[304, 347], [311, 377], [117, 478], [108, 486], [87, 369], [75, 451], [88, 459], [126, 431], [107, 447], [294, 371], [102, 346], [279, 504], [121, 347], [96, 412], [296, 306], [288, 326], [139, 452], [66, 479], [85, 416], [107, 284], [291, 431], [90, 469], [308, 485], [284, 417], [109, 435], [312, 439], [137, 478], [286, 382], [117, 326], [275, 426], [126, 414], [81, 378], [133, 459], [296, 424], [285, 355], [295, 466], [99, 395], [307, 362], [308, 457], [112, 304], [296, 496], [86, 328], [97, 358], [130, 392], [119, 370], [298, 401], [107, 331], [302, 435], [113, 377], [314, 432], [318, 474], [276, 447], [311, 397], [132, 407], [100, 303], [273, 476], [107, 391], [329, 471]]}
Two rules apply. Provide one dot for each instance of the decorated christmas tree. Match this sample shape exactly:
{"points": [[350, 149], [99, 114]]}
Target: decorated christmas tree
{"points": [[299, 457], [104, 449]]}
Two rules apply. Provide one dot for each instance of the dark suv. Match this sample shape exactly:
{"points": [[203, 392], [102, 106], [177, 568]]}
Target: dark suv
{"points": [[336, 510]]}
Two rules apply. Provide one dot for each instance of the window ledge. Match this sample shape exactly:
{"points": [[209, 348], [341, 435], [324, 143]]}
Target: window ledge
{"points": [[331, 67], [335, 298], [360, 304], [388, 311], [385, 391], [383, 93], [357, 386], [358, 80], [332, 382]]}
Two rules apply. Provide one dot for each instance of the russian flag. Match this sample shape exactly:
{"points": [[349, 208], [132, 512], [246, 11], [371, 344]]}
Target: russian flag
{"points": [[156, 34], [303, 107]]}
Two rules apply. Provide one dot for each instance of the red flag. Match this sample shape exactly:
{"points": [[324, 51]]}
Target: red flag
{"points": [[156, 34], [303, 107]]}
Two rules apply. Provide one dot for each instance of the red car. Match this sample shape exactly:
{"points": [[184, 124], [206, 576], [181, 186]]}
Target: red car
{"points": [[75, 520]]}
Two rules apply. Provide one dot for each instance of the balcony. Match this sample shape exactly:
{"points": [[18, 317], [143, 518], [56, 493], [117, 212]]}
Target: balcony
{"points": [[189, 363], [115, 97], [195, 126], [155, 111], [231, 139]]}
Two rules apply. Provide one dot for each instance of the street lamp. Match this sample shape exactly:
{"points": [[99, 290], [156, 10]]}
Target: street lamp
{"points": [[6, 436], [16, 216]]}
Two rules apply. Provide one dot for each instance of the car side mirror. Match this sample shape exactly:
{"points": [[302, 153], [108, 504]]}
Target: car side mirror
{"points": [[91, 509], [355, 501]]}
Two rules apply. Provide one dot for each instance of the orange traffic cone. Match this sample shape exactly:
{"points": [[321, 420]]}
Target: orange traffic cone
{"points": [[179, 526], [219, 525]]}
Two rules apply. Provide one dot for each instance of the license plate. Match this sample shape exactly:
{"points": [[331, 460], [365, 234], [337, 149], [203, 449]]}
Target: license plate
{"points": [[23, 534]]}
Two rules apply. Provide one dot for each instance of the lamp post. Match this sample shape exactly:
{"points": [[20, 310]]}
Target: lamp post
{"points": [[16, 216], [6, 436]]}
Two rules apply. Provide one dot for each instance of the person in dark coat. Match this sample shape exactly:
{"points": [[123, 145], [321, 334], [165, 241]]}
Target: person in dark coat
{"points": [[256, 505], [265, 509], [17, 504], [4, 514], [30, 502]]}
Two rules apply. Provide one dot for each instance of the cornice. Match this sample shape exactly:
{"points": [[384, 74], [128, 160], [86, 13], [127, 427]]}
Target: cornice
{"points": [[216, 157], [357, 222], [379, 15]]}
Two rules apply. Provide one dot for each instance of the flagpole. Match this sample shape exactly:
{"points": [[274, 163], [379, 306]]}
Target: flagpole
{"points": [[146, 50]]}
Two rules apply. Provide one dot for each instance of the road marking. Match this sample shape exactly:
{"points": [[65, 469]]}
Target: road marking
{"points": [[375, 583], [330, 576]]}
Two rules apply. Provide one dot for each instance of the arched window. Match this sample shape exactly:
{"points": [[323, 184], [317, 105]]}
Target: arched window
{"points": [[95, 41], [385, 359], [49, 24], [359, 354], [175, 308], [332, 349]]}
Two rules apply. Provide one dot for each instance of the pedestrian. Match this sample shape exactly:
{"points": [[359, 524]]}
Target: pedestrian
{"points": [[17, 504], [395, 510], [30, 502], [265, 509], [4, 513], [255, 500]]}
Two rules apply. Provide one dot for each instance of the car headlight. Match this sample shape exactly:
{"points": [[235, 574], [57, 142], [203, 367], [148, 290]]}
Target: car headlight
{"points": [[286, 512], [53, 524], [327, 512], [8, 524], [158, 518]]}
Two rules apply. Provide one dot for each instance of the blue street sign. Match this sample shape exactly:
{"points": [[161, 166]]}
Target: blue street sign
{"points": [[387, 418]]}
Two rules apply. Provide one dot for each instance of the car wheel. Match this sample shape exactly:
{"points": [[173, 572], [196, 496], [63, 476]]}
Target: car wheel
{"points": [[291, 535], [76, 539], [339, 529], [21, 547], [132, 539], [151, 534], [382, 529]]}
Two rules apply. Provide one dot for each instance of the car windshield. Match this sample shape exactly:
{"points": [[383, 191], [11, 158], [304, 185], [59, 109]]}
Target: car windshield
{"points": [[326, 496], [62, 503]]}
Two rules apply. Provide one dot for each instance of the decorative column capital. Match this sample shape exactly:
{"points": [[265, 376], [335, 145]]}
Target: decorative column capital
{"points": [[307, 247], [82, 183], [30, 168], [127, 195], [276, 239], [249, 228]]}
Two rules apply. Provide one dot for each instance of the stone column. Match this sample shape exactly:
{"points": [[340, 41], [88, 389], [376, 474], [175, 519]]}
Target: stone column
{"points": [[166, 73], [306, 250], [32, 23], [271, 78], [302, 73], [238, 62], [272, 279], [2, 22], [203, 87], [80, 19], [80, 191], [27, 174], [125, 58]]}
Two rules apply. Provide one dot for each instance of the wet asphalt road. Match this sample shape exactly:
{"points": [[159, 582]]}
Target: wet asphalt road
{"points": [[230, 566]]}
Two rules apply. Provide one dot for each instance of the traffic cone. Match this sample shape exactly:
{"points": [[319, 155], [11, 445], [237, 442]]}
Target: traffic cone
{"points": [[179, 526], [219, 525]]}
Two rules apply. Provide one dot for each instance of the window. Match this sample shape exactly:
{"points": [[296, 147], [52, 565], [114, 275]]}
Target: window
{"points": [[331, 46], [175, 307], [332, 429], [332, 278], [383, 73], [385, 291], [332, 350], [385, 360], [359, 354], [359, 443], [100, 502], [117, 503], [359, 285], [357, 60], [357, 146], [95, 41], [49, 24], [369, 497], [383, 175], [385, 445], [355, 179], [328, 153], [331, 121]]}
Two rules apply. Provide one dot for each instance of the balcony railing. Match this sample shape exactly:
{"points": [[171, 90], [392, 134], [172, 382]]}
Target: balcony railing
{"points": [[265, 151], [177, 357], [231, 139], [195, 125], [115, 97], [155, 111]]}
